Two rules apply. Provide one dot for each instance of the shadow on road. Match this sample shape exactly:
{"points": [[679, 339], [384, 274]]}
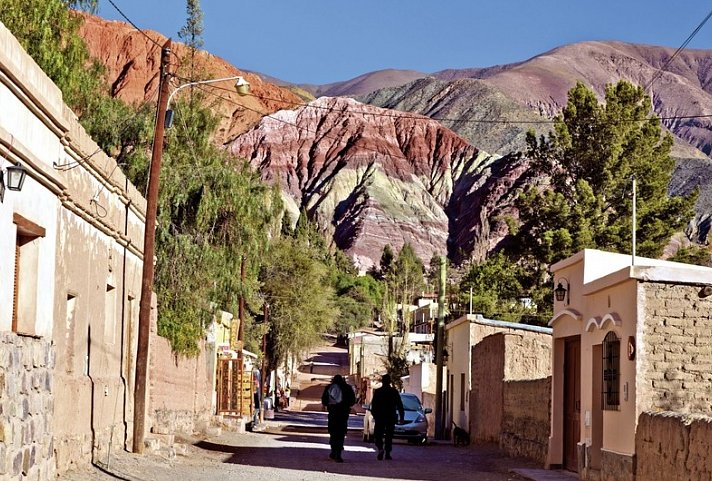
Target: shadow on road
{"points": [[309, 452]]}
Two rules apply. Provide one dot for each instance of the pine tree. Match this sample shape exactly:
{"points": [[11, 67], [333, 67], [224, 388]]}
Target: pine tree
{"points": [[589, 160]]}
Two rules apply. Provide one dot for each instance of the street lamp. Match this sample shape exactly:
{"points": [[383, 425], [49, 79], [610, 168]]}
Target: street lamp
{"points": [[242, 87], [149, 240]]}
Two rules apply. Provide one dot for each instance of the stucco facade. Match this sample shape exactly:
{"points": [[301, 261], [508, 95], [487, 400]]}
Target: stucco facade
{"points": [[627, 338], [76, 229]]}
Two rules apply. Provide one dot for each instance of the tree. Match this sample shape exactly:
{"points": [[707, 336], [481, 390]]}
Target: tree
{"points": [[589, 160], [192, 35], [213, 212], [302, 303], [48, 31], [386, 262]]}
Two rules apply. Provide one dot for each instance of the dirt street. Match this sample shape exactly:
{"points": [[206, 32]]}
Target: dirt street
{"points": [[295, 448]]}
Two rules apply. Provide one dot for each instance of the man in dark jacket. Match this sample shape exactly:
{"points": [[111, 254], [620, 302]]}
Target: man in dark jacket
{"points": [[338, 397], [386, 407]]}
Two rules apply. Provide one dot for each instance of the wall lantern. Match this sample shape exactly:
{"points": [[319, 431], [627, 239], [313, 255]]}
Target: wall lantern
{"points": [[562, 292], [446, 356], [16, 177]]}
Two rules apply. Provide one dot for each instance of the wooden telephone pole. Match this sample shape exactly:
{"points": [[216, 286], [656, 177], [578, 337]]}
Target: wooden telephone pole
{"points": [[149, 241]]}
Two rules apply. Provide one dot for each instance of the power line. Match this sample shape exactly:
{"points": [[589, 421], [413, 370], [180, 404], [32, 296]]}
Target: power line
{"points": [[134, 25], [406, 115], [659, 73], [305, 129]]}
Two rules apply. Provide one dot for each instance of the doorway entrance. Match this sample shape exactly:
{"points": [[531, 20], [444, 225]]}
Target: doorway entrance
{"points": [[572, 401]]}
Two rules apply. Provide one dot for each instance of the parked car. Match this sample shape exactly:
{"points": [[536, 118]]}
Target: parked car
{"points": [[415, 427]]}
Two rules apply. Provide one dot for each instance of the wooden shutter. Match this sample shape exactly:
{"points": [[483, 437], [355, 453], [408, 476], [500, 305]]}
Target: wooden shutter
{"points": [[16, 287]]}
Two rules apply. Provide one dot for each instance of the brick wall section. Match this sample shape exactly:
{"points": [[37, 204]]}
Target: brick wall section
{"points": [[190, 411], [677, 363], [673, 447], [26, 408]]}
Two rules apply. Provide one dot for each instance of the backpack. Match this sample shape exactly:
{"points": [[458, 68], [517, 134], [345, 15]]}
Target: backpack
{"points": [[335, 394]]}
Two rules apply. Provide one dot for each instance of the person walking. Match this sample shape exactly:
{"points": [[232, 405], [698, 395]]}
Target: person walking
{"points": [[387, 409], [338, 397]]}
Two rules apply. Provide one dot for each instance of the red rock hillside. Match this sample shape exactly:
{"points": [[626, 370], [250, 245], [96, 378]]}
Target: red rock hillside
{"points": [[372, 177], [132, 62]]}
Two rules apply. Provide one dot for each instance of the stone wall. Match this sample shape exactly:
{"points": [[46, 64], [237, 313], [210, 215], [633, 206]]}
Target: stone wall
{"points": [[511, 393], [193, 378], [676, 360], [26, 408], [673, 447]]}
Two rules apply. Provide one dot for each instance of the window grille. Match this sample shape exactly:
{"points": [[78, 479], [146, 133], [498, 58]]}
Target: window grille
{"points": [[611, 371]]}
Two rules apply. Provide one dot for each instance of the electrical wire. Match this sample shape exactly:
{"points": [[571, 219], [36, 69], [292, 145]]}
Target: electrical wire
{"points": [[298, 127], [406, 115], [659, 73], [134, 25]]}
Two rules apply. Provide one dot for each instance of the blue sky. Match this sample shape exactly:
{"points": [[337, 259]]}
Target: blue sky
{"points": [[322, 41]]}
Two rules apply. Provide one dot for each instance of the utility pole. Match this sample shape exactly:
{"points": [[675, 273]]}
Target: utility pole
{"points": [[635, 200], [439, 346], [149, 240], [263, 375]]}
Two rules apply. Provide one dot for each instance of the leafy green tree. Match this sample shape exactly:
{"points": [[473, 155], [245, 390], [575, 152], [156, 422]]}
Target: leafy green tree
{"points": [[589, 160], [386, 262], [213, 212], [693, 254], [302, 303], [497, 289], [48, 31]]}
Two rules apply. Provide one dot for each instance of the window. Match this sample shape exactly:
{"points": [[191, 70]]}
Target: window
{"points": [[24, 299], [611, 371]]}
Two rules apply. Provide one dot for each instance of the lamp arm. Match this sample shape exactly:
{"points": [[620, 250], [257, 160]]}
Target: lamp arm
{"points": [[200, 82]]}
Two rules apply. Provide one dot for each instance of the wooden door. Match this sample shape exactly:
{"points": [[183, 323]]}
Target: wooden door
{"points": [[572, 402]]}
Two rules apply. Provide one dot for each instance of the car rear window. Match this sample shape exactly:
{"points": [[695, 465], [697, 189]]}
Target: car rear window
{"points": [[410, 403]]}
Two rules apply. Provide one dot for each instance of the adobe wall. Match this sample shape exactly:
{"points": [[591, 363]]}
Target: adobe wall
{"points": [[511, 393], [486, 398], [526, 396], [673, 447], [675, 360], [191, 377], [88, 273], [26, 408]]}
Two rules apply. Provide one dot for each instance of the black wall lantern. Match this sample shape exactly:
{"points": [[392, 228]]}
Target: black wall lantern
{"points": [[562, 292], [16, 177]]}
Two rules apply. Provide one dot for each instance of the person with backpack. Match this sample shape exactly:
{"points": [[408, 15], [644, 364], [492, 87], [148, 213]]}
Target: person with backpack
{"points": [[338, 397], [386, 408]]}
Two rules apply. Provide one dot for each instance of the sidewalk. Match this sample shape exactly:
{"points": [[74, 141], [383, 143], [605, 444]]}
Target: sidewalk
{"points": [[545, 474]]}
